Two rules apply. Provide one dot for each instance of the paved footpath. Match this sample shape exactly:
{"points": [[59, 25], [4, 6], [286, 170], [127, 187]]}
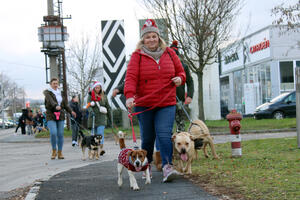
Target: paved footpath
{"points": [[24, 159]]}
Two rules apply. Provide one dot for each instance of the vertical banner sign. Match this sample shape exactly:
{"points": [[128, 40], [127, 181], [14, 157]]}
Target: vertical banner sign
{"points": [[114, 59]]}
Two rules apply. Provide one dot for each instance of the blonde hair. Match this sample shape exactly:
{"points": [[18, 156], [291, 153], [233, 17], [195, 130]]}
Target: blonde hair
{"points": [[161, 43]]}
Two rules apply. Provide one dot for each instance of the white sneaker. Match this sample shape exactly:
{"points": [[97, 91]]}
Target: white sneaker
{"points": [[169, 173], [76, 143], [73, 143]]}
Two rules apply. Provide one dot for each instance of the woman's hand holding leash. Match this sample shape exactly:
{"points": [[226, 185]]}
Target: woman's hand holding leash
{"points": [[130, 102], [176, 80]]}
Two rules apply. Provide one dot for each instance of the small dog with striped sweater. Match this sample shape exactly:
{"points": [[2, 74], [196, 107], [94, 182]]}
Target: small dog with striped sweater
{"points": [[134, 161]]}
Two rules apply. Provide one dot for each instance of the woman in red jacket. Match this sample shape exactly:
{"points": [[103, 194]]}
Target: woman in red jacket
{"points": [[152, 75]]}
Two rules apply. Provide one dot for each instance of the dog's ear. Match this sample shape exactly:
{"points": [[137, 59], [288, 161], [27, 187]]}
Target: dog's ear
{"points": [[144, 152], [129, 153], [173, 137], [193, 137]]}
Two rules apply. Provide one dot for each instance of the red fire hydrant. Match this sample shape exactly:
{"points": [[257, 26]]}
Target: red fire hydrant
{"points": [[234, 119]]}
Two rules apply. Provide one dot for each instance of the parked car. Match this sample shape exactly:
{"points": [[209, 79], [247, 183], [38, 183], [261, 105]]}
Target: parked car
{"points": [[9, 123], [281, 106], [6, 125]]}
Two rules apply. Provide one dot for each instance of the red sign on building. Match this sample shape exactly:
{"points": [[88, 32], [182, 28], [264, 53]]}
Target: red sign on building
{"points": [[258, 47]]}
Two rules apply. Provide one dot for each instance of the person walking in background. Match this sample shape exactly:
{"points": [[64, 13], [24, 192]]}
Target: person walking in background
{"points": [[29, 121], [180, 92], [75, 122], [153, 72], [21, 122], [99, 111], [55, 116], [40, 118]]}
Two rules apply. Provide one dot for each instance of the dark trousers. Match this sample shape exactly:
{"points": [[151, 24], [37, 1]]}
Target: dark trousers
{"points": [[22, 129], [75, 129]]}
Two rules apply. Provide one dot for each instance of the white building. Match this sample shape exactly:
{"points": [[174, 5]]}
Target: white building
{"points": [[259, 67], [211, 93]]}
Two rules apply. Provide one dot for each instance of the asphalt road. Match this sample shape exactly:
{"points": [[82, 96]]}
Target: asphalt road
{"points": [[99, 182]]}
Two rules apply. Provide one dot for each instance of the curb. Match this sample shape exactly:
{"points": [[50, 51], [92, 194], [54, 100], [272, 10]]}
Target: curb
{"points": [[34, 190], [257, 131]]}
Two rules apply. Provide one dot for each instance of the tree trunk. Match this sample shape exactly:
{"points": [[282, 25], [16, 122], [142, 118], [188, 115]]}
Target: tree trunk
{"points": [[200, 96]]}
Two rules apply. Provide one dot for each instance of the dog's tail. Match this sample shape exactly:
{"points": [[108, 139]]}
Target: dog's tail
{"points": [[121, 139]]}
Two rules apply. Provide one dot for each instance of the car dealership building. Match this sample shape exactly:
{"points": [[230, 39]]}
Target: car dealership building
{"points": [[259, 67]]}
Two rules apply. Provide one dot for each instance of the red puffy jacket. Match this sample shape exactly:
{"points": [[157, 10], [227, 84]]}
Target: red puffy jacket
{"points": [[144, 76]]}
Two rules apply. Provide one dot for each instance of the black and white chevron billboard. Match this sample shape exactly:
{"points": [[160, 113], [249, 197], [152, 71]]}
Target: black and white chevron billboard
{"points": [[114, 59]]}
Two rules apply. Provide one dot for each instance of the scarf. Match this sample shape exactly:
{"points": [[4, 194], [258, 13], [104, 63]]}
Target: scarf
{"points": [[154, 54], [94, 96], [57, 94]]}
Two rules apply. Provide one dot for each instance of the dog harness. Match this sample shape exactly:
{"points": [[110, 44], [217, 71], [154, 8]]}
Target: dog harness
{"points": [[127, 162]]}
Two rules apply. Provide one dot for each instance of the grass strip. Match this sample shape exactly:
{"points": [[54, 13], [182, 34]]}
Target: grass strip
{"points": [[268, 169]]}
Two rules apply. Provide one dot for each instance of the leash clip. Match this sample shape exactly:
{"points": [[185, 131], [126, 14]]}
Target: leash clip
{"points": [[129, 113]]}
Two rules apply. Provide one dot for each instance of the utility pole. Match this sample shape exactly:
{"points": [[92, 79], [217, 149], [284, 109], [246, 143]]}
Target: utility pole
{"points": [[53, 34], [298, 104], [52, 58], [65, 88]]}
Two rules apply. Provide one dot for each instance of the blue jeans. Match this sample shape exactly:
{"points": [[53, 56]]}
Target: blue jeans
{"points": [[157, 123], [99, 130], [56, 129]]}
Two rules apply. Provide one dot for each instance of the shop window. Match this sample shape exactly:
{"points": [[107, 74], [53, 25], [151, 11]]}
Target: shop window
{"points": [[297, 63], [238, 90], [286, 75], [224, 91]]}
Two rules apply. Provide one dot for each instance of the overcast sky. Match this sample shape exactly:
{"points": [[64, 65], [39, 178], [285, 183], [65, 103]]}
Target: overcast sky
{"points": [[20, 56]]}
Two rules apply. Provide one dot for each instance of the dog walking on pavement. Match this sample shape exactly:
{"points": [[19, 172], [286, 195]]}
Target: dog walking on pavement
{"points": [[134, 161]]}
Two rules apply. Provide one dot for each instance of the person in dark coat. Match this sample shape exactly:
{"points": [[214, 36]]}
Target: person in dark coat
{"points": [[75, 123], [21, 122], [180, 93]]}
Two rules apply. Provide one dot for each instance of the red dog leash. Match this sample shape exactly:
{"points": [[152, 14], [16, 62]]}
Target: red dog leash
{"points": [[130, 115]]}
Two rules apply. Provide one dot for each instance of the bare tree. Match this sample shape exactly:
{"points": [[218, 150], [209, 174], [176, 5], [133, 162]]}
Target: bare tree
{"points": [[6, 87], [10, 95], [200, 27], [83, 66], [287, 14]]}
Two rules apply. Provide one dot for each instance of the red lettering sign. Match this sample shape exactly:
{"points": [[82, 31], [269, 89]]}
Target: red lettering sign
{"points": [[258, 47]]}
